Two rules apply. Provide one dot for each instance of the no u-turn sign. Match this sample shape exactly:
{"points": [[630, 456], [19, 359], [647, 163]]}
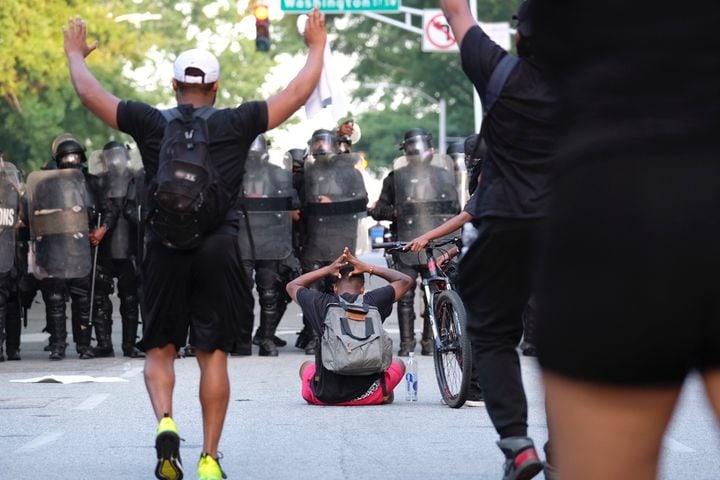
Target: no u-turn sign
{"points": [[438, 36]]}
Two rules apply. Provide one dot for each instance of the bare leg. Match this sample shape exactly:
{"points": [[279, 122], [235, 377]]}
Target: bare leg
{"points": [[214, 397], [304, 365], [160, 378], [712, 386], [605, 432]]}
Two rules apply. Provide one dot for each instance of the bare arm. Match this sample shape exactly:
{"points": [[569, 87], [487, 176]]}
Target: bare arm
{"points": [[283, 104], [445, 229], [459, 17], [400, 282], [98, 100]]}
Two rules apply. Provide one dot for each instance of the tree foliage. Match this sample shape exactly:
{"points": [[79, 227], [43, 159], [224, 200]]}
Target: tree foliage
{"points": [[389, 55], [133, 60]]}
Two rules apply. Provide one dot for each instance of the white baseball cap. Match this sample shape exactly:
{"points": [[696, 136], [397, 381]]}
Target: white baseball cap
{"points": [[200, 59]]}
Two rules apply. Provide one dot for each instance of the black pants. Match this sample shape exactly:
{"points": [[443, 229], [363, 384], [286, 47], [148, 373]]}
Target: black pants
{"points": [[495, 282], [270, 277]]}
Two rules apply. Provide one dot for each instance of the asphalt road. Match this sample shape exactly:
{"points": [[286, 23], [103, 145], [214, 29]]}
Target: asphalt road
{"points": [[106, 430]]}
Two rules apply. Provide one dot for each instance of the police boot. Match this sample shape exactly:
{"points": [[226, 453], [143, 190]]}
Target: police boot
{"points": [[3, 314], [103, 328], [427, 346], [55, 314], [12, 327], [521, 459], [82, 330], [129, 312], [406, 320], [266, 332]]}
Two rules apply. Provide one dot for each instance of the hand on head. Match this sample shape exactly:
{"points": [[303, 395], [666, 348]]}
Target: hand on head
{"points": [[75, 38], [338, 264], [360, 267]]}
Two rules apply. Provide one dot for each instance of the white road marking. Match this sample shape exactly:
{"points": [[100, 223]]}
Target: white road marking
{"points": [[675, 446], [133, 372], [92, 401], [39, 441]]}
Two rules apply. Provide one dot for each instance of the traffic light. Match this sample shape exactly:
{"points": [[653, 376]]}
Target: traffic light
{"points": [[262, 28]]}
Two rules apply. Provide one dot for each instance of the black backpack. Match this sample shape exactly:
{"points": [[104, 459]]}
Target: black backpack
{"points": [[185, 200]]}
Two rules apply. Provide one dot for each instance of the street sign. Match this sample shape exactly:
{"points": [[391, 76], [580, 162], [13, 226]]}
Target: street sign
{"points": [[438, 36], [340, 5]]}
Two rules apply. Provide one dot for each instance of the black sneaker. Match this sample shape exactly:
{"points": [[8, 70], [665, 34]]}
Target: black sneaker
{"points": [[167, 446], [475, 396], [522, 462]]}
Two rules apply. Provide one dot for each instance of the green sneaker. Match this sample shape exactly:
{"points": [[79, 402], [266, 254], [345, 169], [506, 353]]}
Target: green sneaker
{"points": [[209, 468], [167, 446]]}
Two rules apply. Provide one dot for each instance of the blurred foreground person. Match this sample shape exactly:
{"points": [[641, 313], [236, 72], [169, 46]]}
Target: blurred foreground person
{"points": [[509, 205], [629, 299]]}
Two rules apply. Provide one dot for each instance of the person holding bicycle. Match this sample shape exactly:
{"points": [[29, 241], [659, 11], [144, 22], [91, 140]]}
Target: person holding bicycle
{"points": [[319, 385], [417, 195]]}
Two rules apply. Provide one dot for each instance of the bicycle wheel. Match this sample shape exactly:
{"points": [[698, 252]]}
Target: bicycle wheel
{"points": [[453, 359]]}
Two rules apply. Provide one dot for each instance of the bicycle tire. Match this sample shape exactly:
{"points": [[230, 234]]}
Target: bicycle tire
{"points": [[453, 360]]}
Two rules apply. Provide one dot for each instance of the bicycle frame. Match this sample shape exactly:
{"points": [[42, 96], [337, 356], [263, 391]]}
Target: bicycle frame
{"points": [[437, 278]]}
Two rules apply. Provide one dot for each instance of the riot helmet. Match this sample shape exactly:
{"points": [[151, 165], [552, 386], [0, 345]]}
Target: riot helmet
{"points": [[322, 144], [116, 157], [259, 149], [68, 152], [294, 159], [417, 145], [456, 151]]}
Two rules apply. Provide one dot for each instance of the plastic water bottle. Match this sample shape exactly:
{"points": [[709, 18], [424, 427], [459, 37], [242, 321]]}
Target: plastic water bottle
{"points": [[411, 379]]}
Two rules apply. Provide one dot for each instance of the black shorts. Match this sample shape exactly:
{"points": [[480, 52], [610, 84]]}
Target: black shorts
{"points": [[205, 290], [629, 289]]}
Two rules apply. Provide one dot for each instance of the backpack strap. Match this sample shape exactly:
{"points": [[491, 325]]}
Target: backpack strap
{"points": [[497, 81]]}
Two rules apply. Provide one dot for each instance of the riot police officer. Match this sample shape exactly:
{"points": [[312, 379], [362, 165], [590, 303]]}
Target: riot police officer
{"points": [[334, 201], [10, 267], [63, 205], [269, 206], [417, 196], [117, 254]]}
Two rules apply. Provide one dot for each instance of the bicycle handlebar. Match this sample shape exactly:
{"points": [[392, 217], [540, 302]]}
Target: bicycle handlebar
{"points": [[402, 245]]}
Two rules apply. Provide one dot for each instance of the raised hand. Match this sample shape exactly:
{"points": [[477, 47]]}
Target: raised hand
{"points": [[75, 38]]}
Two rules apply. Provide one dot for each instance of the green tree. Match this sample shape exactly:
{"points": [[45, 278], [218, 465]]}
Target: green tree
{"points": [[390, 55], [37, 101]]}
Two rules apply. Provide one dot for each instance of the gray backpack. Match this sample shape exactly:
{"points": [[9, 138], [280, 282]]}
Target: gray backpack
{"points": [[354, 341]]}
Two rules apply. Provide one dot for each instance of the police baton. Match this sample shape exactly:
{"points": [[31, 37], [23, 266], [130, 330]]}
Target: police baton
{"points": [[92, 277]]}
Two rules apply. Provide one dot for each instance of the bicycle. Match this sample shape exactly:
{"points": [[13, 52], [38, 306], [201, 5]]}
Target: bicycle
{"points": [[451, 354]]}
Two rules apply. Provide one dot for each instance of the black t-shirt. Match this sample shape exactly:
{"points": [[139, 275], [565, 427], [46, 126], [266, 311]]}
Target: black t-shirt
{"points": [[231, 132], [331, 387], [520, 132]]}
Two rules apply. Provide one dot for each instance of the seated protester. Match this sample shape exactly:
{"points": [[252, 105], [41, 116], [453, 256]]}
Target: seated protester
{"points": [[324, 387]]}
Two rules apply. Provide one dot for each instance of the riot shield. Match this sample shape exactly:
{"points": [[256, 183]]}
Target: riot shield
{"points": [[461, 177], [59, 223], [116, 182], [117, 165], [268, 201], [9, 205], [335, 201], [425, 197]]}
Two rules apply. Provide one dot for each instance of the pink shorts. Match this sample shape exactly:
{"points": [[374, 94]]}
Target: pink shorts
{"points": [[393, 375]]}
